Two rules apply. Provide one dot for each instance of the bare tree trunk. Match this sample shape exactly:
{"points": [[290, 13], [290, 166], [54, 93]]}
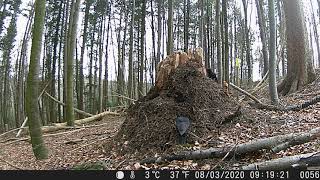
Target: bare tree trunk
{"points": [[159, 33], [142, 49], [315, 30], [72, 31], [186, 6], [170, 27], [106, 75], [39, 149], [219, 63], [300, 72], [84, 40], [20, 113], [262, 25], [248, 48], [272, 55], [226, 40]]}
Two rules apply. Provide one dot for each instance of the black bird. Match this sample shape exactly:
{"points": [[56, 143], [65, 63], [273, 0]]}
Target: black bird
{"points": [[182, 124], [212, 75]]}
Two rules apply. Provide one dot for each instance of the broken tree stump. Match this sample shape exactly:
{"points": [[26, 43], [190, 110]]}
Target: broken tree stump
{"points": [[171, 63]]}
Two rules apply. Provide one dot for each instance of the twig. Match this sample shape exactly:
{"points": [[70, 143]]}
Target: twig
{"points": [[192, 134], [10, 164], [12, 130], [231, 150], [89, 144], [120, 164]]}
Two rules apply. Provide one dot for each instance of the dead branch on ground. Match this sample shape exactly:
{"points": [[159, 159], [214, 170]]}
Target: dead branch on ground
{"points": [[252, 146], [301, 160]]}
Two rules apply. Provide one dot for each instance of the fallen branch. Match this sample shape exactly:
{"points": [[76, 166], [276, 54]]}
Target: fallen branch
{"points": [[303, 105], [260, 104], [73, 141], [259, 85], [12, 130], [245, 93], [307, 160], [252, 146], [123, 96], [26, 119], [59, 126], [63, 104], [22, 127]]}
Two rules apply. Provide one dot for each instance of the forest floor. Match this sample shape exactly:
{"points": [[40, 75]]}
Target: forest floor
{"points": [[89, 145]]}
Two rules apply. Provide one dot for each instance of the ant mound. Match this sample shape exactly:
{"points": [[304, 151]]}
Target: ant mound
{"points": [[150, 122]]}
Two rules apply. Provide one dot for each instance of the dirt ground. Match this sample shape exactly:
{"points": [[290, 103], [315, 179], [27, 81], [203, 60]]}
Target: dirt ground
{"points": [[94, 143]]}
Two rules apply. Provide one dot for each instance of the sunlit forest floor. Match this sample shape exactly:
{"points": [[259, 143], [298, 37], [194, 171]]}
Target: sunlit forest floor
{"points": [[85, 148]]}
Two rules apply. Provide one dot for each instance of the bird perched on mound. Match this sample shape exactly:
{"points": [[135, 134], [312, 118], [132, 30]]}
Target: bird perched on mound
{"points": [[182, 124]]}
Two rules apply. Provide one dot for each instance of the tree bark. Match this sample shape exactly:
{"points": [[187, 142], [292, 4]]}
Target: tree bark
{"points": [[226, 40], [170, 28], [39, 149], [262, 25], [84, 40], [247, 42], [272, 55], [72, 31], [142, 49], [299, 71], [219, 63], [186, 33]]}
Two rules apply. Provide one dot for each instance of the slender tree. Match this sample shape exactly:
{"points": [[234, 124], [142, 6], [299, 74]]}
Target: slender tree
{"points": [[72, 31], [219, 63], [142, 48], [130, 68], [247, 41], [32, 109], [315, 31], [186, 11], [272, 54], [262, 27], [226, 40], [159, 32], [170, 27], [84, 40]]}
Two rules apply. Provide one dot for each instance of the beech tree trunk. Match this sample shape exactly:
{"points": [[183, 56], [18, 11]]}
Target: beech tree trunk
{"points": [[300, 71], [39, 149]]}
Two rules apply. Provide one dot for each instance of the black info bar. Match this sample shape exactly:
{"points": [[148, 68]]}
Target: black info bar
{"points": [[164, 174]]}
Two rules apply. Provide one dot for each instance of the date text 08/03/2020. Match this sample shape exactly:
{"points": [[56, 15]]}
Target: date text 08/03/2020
{"points": [[220, 174]]}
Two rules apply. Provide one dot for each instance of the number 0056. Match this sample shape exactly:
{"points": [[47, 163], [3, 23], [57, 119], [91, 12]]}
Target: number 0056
{"points": [[309, 175]]}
